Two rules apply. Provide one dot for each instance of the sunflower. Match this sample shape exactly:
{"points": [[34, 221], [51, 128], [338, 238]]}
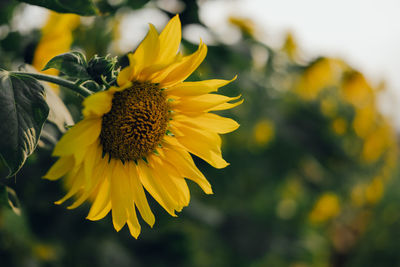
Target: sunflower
{"points": [[138, 135], [56, 39]]}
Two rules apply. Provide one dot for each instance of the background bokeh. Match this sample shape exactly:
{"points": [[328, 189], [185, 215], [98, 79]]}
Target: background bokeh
{"points": [[313, 177]]}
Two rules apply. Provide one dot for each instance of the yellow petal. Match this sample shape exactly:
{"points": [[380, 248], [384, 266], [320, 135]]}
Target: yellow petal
{"points": [[203, 103], [83, 134], [181, 184], [147, 52], [97, 104], [170, 140], [210, 122], [92, 182], [186, 166], [126, 74], [225, 106], [155, 190], [76, 182], [178, 72], [102, 203], [170, 39], [119, 194], [206, 145], [60, 168], [102, 213], [197, 88], [79, 155], [139, 195], [133, 223], [168, 177], [78, 201], [93, 154]]}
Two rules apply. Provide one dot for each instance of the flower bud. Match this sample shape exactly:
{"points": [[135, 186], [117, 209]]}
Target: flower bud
{"points": [[102, 69]]}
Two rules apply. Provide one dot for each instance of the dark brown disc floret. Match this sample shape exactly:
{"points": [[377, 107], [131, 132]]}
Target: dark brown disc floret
{"points": [[136, 123]]}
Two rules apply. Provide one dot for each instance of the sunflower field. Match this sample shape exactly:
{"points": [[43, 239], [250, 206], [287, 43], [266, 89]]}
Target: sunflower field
{"points": [[132, 134]]}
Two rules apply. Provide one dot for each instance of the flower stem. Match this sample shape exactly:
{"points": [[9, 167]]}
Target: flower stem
{"points": [[54, 79]]}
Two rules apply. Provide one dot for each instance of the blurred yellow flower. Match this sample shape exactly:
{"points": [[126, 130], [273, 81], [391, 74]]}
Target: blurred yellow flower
{"points": [[365, 120], [356, 90], [374, 191], [376, 143], [56, 39], [339, 126], [290, 46], [116, 34], [326, 207], [358, 195], [246, 25], [321, 74], [263, 132], [44, 252], [138, 135]]}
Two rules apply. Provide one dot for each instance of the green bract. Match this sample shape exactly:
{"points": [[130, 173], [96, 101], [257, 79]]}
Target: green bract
{"points": [[102, 69]]}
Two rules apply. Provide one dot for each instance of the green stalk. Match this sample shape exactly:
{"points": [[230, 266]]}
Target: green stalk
{"points": [[54, 79]]}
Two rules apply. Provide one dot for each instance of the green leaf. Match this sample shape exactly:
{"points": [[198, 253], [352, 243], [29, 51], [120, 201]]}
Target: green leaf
{"points": [[3, 196], [23, 110], [72, 64], [80, 7], [9, 199]]}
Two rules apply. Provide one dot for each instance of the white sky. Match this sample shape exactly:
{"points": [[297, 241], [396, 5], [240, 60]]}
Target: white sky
{"points": [[366, 33]]}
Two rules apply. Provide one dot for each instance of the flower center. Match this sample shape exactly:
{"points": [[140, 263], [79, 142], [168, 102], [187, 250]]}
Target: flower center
{"points": [[136, 122]]}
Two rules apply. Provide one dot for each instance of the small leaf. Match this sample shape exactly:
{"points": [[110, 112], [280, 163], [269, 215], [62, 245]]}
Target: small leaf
{"points": [[72, 64], [80, 7], [23, 110], [9, 199]]}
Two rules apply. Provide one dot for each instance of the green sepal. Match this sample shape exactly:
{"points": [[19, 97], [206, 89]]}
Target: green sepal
{"points": [[103, 70], [169, 133], [72, 64]]}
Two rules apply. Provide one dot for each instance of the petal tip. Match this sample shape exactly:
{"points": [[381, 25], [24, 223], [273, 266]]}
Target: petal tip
{"points": [[118, 227], [221, 166], [47, 177], [209, 191]]}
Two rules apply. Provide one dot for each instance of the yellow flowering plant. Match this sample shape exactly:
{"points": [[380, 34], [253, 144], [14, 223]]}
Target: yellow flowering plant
{"points": [[139, 129]]}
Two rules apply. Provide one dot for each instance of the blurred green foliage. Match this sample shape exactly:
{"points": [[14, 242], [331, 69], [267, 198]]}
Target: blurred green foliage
{"points": [[312, 180]]}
